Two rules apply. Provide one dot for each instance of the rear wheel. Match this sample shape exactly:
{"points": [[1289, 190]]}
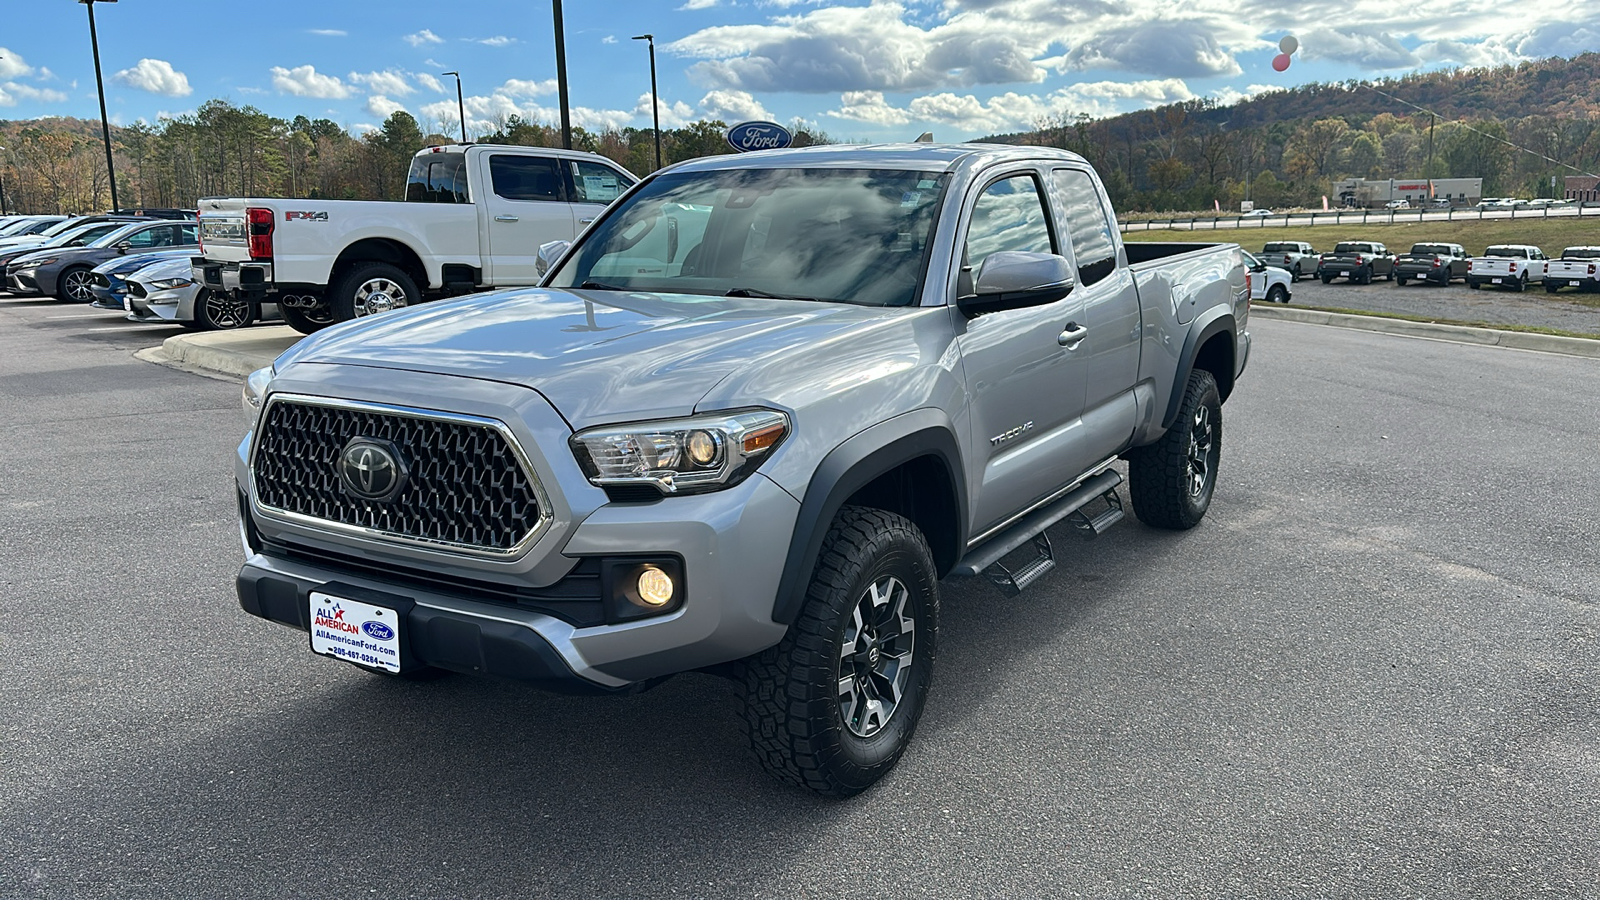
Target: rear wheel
{"points": [[1550, 287], [307, 321], [372, 288], [76, 285], [1522, 283], [1400, 280], [835, 703], [1326, 278], [1171, 482], [1294, 273], [219, 311], [1473, 284]]}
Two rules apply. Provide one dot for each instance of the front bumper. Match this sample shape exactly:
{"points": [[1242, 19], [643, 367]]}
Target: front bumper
{"points": [[23, 281]]}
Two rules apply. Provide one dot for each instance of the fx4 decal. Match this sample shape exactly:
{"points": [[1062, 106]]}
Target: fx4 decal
{"points": [[291, 215]]}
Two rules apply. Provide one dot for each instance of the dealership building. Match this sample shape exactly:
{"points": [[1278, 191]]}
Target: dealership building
{"points": [[1376, 194], [1583, 187]]}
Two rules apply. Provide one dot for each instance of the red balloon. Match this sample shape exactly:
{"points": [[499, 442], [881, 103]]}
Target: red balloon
{"points": [[1280, 62]]}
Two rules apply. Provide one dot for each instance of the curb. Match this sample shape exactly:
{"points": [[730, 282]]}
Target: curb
{"points": [[231, 353], [1461, 334]]}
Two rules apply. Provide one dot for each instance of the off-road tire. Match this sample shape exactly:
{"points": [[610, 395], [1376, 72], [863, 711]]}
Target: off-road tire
{"points": [[1400, 280], [306, 321], [1277, 294], [1327, 279], [790, 702], [346, 303], [1161, 476]]}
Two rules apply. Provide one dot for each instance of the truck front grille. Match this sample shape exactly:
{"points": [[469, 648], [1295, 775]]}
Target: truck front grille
{"points": [[467, 488]]}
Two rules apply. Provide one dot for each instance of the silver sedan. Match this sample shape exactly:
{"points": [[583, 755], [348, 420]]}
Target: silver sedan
{"points": [[166, 292]]}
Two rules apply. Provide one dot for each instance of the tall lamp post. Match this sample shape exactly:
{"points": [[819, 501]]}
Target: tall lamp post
{"points": [[561, 76], [99, 83], [461, 105], [655, 104]]}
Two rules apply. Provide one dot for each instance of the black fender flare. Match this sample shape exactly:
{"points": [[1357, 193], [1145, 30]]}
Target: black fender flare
{"points": [[847, 469], [1209, 324]]}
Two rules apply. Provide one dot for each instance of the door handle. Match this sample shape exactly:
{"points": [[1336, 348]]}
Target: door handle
{"points": [[1072, 336], [586, 221], [505, 218]]}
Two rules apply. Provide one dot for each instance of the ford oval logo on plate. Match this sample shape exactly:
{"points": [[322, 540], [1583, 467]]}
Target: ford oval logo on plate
{"points": [[747, 136], [377, 631]]}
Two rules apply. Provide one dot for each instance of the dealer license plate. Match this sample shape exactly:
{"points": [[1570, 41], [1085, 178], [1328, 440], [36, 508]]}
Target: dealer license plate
{"points": [[127, 304], [1574, 284], [355, 632], [1494, 281]]}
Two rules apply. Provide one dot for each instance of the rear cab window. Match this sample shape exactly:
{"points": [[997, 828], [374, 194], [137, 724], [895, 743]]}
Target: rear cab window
{"points": [[1087, 224], [438, 178], [1507, 252]]}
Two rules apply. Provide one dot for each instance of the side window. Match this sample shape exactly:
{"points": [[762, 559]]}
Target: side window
{"points": [[1009, 215], [189, 235], [596, 183], [525, 177], [1087, 225], [151, 237]]}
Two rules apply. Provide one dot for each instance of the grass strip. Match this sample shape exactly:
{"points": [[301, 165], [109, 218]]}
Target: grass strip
{"points": [[1435, 320]]}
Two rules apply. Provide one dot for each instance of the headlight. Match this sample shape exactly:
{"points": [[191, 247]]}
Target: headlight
{"points": [[255, 390], [36, 263], [167, 284], [681, 456]]}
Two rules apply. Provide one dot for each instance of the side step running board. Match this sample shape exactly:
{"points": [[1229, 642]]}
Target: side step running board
{"points": [[1032, 527]]}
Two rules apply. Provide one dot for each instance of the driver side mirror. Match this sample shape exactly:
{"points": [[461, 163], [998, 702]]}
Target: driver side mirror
{"points": [[549, 255], [1015, 279], [124, 247]]}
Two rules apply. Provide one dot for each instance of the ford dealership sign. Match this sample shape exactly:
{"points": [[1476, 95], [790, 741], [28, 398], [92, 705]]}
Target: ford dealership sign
{"points": [[747, 136]]}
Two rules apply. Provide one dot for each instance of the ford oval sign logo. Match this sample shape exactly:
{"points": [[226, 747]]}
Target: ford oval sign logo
{"points": [[747, 136], [377, 631]]}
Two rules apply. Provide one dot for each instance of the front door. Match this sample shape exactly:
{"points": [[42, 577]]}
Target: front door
{"points": [[1026, 387], [526, 206]]}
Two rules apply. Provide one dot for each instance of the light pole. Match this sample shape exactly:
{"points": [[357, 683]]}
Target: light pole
{"points": [[655, 104], [561, 76], [461, 106], [105, 125]]}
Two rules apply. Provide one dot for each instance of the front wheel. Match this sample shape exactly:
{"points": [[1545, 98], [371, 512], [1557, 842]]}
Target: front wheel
{"points": [[306, 321], [835, 703], [76, 285], [1278, 294], [1171, 482], [220, 311]]}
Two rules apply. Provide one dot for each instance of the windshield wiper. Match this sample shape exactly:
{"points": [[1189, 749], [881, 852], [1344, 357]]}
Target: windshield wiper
{"points": [[600, 286], [763, 295]]}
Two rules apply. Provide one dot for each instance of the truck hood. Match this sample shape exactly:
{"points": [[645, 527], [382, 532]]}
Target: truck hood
{"points": [[597, 356]]}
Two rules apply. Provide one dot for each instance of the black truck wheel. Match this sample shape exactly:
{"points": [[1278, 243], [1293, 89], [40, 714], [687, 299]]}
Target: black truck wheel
{"points": [[835, 703], [1522, 283], [306, 321], [1327, 278], [1171, 482], [372, 288], [1400, 280]]}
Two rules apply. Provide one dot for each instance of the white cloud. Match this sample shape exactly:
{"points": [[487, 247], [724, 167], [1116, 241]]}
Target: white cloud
{"points": [[673, 115], [1181, 48], [498, 40], [428, 81], [385, 82], [1369, 48], [305, 81], [609, 39], [328, 32], [12, 65], [517, 87], [423, 37], [12, 93], [513, 98], [364, 127], [869, 106], [697, 4], [156, 76], [381, 106], [1228, 96], [733, 106]]}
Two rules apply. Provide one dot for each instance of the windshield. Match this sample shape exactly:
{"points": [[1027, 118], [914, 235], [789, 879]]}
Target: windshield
{"points": [[1581, 253], [15, 227], [1510, 252], [120, 232], [67, 238], [844, 235], [64, 226]]}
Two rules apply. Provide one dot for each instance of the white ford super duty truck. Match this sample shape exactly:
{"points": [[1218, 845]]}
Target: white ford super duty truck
{"points": [[473, 218]]}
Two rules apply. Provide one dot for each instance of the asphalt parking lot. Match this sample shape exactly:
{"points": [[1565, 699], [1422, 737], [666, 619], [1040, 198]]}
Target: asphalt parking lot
{"points": [[1567, 310], [1371, 671]]}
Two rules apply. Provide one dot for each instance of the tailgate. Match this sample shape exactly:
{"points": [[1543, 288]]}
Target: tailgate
{"points": [[224, 236]]}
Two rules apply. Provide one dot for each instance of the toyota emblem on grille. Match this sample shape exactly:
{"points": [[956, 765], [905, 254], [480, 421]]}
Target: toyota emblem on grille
{"points": [[372, 469]]}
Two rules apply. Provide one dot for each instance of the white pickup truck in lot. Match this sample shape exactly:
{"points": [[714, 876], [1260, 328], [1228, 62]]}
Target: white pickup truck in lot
{"points": [[1508, 265], [1576, 268], [473, 218]]}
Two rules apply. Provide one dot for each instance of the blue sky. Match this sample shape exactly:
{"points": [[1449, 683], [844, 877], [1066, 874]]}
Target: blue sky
{"points": [[859, 69]]}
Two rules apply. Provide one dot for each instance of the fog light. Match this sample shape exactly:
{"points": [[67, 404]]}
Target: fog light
{"points": [[655, 587]]}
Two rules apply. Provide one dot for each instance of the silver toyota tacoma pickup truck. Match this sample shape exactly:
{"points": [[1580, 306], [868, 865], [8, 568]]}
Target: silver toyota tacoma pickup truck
{"points": [[749, 421]]}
